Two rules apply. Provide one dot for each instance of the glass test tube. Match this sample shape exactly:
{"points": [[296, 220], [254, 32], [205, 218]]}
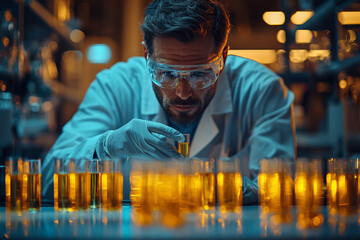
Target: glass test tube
{"points": [[61, 185], [229, 183], [184, 147], [95, 183], [13, 184], [207, 175], [31, 181], [112, 184], [143, 194]]}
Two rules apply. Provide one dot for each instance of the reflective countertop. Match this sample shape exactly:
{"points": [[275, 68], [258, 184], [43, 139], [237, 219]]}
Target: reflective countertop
{"points": [[99, 224]]}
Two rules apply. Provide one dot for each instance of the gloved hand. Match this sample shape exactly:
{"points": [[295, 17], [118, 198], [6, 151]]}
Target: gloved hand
{"points": [[141, 138]]}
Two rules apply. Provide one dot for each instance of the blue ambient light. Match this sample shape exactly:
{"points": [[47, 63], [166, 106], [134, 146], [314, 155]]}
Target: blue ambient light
{"points": [[99, 53]]}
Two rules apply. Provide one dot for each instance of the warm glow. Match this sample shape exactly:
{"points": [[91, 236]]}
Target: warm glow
{"points": [[303, 36], [301, 185], [281, 38], [8, 15], [298, 55], [320, 53], [77, 35], [274, 17], [301, 17], [264, 56], [5, 41], [351, 35], [342, 84], [349, 18], [63, 10]]}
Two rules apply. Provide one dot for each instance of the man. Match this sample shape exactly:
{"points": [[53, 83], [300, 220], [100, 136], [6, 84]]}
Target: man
{"points": [[187, 83]]}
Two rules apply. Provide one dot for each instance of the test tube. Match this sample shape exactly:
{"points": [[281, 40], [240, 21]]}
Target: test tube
{"points": [[95, 183], [31, 181], [13, 182], [184, 147], [229, 184]]}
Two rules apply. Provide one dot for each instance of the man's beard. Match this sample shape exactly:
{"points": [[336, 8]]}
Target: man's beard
{"points": [[184, 118]]}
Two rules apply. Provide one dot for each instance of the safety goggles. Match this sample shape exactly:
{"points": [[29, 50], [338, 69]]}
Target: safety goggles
{"points": [[198, 76]]}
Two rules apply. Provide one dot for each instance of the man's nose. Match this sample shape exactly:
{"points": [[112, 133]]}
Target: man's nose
{"points": [[183, 89]]}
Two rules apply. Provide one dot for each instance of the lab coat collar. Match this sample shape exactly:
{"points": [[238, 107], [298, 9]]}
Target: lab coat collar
{"points": [[207, 128]]}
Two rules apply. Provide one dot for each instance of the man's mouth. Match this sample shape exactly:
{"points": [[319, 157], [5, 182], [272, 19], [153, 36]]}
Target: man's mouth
{"points": [[183, 108]]}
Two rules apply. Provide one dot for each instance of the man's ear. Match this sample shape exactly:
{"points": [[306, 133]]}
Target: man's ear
{"points": [[144, 49], [225, 54]]}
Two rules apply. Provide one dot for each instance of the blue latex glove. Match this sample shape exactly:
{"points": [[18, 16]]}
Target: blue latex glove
{"points": [[250, 191], [141, 138]]}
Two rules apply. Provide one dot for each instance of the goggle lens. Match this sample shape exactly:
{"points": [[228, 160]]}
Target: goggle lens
{"points": [[198, 76]]}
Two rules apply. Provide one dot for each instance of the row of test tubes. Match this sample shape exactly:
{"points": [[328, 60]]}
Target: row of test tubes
{"points": [[283, 184], [23, 184], [170, 190], [167, 190]]}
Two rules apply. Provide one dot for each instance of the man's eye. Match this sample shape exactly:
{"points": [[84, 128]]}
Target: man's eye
{"points": [[197, 74], [168, 75]]}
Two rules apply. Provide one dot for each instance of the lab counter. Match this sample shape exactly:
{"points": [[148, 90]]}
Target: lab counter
{"points": [[204, 224]]}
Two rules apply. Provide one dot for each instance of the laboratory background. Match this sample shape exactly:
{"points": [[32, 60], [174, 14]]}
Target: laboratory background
{"points": [[51, 51]]}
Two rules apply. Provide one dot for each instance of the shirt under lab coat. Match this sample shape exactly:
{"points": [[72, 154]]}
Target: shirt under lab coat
{"points": [[250, 117]]}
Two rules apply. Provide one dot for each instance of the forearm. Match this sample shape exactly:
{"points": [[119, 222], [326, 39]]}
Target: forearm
{"points": [[66, 147]]}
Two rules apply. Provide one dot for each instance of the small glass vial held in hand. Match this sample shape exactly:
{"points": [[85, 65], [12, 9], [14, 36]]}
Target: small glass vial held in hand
{"points": [[184, 147]]}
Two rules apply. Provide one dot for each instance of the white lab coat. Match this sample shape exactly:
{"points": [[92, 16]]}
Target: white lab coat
{"points": [[250, 116]]}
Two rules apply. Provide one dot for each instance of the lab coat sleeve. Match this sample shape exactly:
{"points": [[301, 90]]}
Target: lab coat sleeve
{"points": [[272, 134], [97, 114]]}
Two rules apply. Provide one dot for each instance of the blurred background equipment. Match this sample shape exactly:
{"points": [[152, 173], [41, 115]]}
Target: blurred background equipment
{"points": [[51, 50]]}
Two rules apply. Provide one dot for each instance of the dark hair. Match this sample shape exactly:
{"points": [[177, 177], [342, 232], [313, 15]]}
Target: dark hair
{"points": [[186, 20]]}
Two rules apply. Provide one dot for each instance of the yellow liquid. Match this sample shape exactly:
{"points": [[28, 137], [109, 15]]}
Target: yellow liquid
{"points": [[263, 190], [169, 197], [79, 194], [347, 193], [143, 196], [31, 192], [308, 193], [13, 192], [112, 190], [331, 184], [61, 192], [208, 190], [280, 193], [191, 192], [95, 194], [184, 148], [229, 191]]}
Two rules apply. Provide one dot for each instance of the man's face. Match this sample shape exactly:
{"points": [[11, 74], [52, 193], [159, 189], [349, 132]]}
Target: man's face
{"points": [[183, 104]]}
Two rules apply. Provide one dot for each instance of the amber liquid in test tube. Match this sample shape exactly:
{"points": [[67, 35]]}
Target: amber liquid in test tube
{"points": [[61, 192], [13, 184], [112, 184], [342, 184], [191, 186], [31, 192], [275, 183], [184, 147], [308, 192], [79, 183], [208, 183], [143, 194], [229, 183], [170, 194], [263, 184], [95, 183]]}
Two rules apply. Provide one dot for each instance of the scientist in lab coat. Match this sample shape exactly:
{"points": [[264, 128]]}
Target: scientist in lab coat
{"points": [[185, 83]]}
